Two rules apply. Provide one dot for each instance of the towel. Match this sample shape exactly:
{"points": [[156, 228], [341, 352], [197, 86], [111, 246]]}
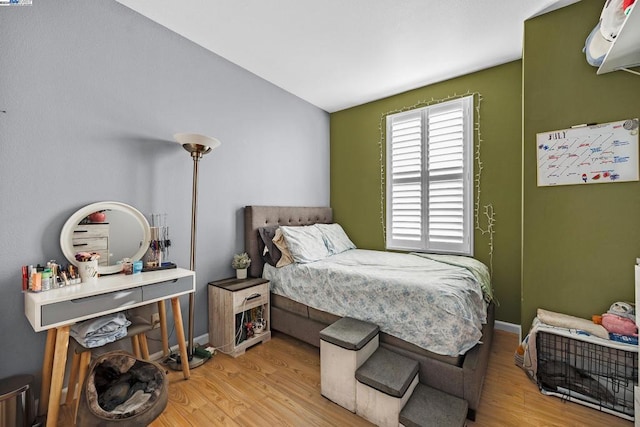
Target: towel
{"points": [[571, 322], [100, 331]]}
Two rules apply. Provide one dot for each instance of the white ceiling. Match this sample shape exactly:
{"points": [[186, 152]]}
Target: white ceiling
{"points": [[337, 54]]}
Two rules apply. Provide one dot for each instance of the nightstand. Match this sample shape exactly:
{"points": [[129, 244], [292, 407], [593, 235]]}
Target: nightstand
{"points": [[233, 303]]}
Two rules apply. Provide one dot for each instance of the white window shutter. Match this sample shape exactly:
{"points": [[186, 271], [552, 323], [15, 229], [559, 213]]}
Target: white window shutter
{"points": [[405, 171], [429, 178]]}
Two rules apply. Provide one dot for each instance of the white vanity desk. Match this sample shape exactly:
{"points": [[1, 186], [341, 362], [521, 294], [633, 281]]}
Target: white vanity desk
{"points": [[57, 310]]}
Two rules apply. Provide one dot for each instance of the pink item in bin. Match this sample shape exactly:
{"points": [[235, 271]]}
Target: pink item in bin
{"points": [[619, 325]]}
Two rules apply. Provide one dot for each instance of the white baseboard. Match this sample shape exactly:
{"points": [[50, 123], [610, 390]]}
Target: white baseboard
{"points": [[509, 327]]}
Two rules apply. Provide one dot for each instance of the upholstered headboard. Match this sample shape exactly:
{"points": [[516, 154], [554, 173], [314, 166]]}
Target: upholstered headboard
{"points": [[262, 216]]}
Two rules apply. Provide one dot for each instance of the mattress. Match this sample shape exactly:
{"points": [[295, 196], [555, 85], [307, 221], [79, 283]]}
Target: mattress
{"points": [[436, 306]]}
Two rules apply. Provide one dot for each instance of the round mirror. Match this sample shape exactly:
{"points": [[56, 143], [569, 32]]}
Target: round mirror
{"points": [[114, 230]]}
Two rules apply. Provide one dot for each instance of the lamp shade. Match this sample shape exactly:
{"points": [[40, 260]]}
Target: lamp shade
{"points": [[196, 143]]}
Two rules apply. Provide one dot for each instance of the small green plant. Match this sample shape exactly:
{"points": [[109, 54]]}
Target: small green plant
{"points": [[241, 261]]}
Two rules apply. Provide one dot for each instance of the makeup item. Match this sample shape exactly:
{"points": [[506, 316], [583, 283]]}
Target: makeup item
{"points": [[64, 279], [137, 267], [37, 281], [46, 280], [73, 275], [30, 272], [127, 266], [54, 273], [88, 271], [25, 278]]}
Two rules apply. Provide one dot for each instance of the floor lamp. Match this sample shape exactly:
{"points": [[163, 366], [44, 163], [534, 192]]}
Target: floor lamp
{"points": [[197, 146]]}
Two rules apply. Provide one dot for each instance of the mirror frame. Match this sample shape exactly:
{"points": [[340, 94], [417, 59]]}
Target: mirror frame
{"points": [[66, 235]]}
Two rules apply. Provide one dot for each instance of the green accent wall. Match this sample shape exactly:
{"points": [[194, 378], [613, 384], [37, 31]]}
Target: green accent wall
{"points": [[580, 242], [356, 173]]}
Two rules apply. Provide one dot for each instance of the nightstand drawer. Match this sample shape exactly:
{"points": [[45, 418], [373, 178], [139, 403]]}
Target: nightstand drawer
{"points": [[255, 295]]}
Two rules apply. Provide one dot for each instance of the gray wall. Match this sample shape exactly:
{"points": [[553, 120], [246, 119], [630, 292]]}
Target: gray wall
{"points": [[93, 93]]}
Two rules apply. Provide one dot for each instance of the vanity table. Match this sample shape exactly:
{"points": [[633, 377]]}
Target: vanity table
{"points": [[57, 310]]}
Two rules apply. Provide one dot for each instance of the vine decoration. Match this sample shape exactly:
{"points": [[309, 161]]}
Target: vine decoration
{"points": [[487, 210]]}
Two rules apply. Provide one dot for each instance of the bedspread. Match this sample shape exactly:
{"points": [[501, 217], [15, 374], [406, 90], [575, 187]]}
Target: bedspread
{"points": [[434, 305]]}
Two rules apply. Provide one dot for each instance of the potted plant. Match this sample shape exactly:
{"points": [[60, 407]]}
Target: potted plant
{"points": [[241, 262]]}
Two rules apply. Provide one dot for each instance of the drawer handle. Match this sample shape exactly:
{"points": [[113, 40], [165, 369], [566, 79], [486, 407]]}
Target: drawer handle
{"points": [[118, 295], [80, 244], [81, 231], [253, 296]]}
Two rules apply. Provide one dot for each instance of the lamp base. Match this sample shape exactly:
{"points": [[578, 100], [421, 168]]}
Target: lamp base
{"points": [[196, 361]]}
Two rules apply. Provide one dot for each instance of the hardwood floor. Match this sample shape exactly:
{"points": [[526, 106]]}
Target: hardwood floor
{"points": [[278, 384]]}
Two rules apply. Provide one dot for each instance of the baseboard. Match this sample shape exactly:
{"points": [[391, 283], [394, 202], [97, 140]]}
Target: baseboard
{"points": [[509, 327]]}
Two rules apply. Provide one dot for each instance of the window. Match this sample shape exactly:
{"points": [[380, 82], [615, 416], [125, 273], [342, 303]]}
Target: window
{"points": [[429, 174]]}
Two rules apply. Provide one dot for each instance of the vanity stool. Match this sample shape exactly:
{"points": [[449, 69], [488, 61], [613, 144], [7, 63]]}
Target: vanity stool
{"points": [[82, 357], [344, 346]]}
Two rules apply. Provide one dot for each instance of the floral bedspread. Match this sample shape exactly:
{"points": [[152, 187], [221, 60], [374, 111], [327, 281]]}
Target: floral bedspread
{"points": [[434, 305]]}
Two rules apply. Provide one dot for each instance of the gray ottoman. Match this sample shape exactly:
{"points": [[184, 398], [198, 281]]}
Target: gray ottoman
{"points": [[344, 347], [430, 407], [385, 383]]}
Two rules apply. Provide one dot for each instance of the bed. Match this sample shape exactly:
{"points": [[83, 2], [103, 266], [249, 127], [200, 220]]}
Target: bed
{"points": [[458, 370]]}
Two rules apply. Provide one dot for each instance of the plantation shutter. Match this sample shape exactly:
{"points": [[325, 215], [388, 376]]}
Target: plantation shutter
{"points": [[429, 185], [406, 172]]}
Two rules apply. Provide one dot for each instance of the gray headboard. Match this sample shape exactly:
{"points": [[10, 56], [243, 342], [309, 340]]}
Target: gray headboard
{"points": [[262, 216]]}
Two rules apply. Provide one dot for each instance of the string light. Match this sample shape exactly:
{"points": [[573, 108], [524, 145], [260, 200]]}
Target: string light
{"points": [[488, 211]]}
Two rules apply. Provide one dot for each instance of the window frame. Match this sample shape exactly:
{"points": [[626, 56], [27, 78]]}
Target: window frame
{"points": [[424, 244]]}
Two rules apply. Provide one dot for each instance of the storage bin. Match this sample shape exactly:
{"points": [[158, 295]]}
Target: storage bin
{"points": [[16, 401]]}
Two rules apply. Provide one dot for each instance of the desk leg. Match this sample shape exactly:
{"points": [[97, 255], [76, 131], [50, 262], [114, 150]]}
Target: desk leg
{"points": [[162, 312], [177, 320], [57, 374], [47, 366]]}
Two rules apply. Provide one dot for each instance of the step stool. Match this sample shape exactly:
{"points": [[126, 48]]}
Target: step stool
{"points": [[344, 347], [430, 407], [384, 384]]}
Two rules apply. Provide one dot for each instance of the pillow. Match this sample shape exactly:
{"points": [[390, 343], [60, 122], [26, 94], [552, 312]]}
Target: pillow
{"points": [[281, 244], [335, 238], [305, 243], [268, 250]]}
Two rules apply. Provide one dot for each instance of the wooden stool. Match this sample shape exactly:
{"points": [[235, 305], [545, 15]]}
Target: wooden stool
{"points": [[82, 358]]}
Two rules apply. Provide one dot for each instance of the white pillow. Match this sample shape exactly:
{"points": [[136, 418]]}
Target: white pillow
{"points": [[335, 238], [305, 243]]}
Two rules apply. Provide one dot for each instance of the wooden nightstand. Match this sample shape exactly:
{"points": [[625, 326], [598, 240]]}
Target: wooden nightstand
{"points": [[232, 303]]}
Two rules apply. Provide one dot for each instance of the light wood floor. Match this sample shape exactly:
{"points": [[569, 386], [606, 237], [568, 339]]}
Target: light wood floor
{"points": [[278, 384]]}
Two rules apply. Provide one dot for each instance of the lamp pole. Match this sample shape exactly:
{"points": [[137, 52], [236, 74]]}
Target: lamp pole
{"points": [[197, 146]]}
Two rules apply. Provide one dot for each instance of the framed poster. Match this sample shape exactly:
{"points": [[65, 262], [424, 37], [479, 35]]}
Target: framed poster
{"points": [[588, 154]]}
